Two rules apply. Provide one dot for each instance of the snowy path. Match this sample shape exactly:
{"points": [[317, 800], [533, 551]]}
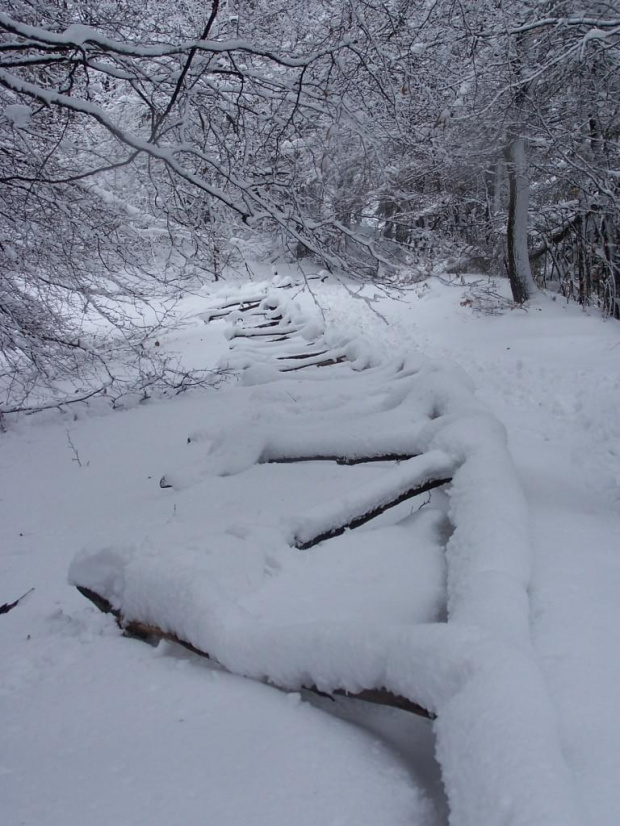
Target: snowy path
{"points": [[101, 728], [236, 598], [552, 378], [104, 727]]}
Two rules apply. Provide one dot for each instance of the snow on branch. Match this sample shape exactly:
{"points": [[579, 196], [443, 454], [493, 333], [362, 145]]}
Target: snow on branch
{"points": [[78, 36]]}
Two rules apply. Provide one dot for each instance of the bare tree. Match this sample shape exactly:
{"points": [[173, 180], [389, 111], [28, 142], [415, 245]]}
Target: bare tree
{"points": [[110, 142]]}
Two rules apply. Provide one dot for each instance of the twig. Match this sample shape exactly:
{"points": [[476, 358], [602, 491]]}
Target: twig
{"points": [[8, 606], [76, 454]]}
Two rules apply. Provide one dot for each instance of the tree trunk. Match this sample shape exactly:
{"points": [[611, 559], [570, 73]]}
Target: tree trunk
{"points": [[518, 262]]}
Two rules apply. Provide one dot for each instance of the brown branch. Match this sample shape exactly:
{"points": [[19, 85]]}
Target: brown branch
{"points": [[151, 633]]}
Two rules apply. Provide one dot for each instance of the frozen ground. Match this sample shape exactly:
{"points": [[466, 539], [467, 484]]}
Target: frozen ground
{"points": [[103, 728]]}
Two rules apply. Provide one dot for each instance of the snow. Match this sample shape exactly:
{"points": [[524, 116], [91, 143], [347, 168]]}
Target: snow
{"points": [[170, 740], [18, 114], [392, 484], [502, 619]]}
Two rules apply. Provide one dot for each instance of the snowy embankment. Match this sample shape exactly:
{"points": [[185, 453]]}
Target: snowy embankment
{"points": [[550, 374], [101, 727], [476, 672]]}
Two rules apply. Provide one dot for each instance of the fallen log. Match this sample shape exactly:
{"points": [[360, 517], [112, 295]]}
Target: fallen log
{"points": [[325, 363], [274, 323], [351, 447], [153, 634], [301, 356], [371, 514], [227, 309], [260, 331], [338, 459], [358, 506]]}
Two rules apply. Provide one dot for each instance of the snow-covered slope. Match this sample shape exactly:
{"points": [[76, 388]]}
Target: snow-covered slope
{"points": [[551, 376], [102, 727]]}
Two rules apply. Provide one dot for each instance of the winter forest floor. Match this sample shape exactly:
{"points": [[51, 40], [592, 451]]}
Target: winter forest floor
{"points": [[102, 729]]}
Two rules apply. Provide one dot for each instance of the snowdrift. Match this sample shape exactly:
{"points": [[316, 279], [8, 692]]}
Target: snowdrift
{"points": [[374, 587]]}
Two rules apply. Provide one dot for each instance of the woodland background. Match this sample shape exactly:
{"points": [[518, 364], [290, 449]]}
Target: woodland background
{"points": [[146, 146]]}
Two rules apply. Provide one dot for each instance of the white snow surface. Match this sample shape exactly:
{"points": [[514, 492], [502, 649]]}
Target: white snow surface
{"points": [[506, 625]]}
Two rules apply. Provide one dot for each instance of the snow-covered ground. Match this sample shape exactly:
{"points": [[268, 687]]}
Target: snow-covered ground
{"points": [[99, 727]]}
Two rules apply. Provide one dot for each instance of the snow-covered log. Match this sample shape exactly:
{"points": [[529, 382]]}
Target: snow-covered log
{"points": [[254, 604], [338, 458], [355, 508], [153, 633]]}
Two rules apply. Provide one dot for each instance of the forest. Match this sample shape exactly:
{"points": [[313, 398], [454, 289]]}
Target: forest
{"points": [[309, 400], [146, 146]]}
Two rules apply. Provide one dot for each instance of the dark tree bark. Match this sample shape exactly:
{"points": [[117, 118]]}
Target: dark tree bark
{"points": [[522, 281]]}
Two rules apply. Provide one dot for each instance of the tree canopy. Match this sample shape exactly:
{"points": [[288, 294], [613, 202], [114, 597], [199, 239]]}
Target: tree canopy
{"points": [[136, 140]]}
